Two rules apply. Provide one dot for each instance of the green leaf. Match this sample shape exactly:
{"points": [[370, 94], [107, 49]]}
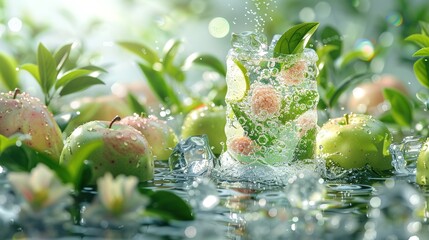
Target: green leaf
{"points": [[332, 37], [79, 84], [70, 75], [169, 206], [93, 68], [76, 165], [63, 119], [171, 48], [345, 85], [295, 39], [350, 57], [419, 39], [8, 72], [425, 27], [401, 107], [47, 68], [20, 157], [205, 60], [135, 105], [33, 69], [423, 52], [141, 50], [159, 85], [421, 70], [62, 55]]}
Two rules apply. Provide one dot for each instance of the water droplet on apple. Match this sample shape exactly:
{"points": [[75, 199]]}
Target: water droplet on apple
{"points": [[125, 143], [134, 138]]}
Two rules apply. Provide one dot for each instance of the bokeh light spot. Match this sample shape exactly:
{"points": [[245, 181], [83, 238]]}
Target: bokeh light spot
{"points": [[15, 24], [307, 14], [394, 19], [219, 27], [366, 47]]}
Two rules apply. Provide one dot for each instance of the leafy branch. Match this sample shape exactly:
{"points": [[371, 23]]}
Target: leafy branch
{"points": [[49, 74]]}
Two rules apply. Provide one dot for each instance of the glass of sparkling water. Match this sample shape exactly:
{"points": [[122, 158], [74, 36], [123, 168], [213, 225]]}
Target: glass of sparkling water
{"points": [[271, 103]]}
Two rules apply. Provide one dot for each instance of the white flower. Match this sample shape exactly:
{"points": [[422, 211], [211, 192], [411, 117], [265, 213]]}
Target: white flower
{"points": [[118, 197], [40, 188]]}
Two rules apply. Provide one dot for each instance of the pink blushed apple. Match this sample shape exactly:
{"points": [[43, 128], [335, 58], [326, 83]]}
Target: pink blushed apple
{"points": [[159, 134], [22, 113], [124, 151]]}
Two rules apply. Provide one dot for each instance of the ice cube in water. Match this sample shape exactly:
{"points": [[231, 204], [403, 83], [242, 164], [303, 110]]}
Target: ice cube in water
{"points": [[249, 42], [193, 156]]}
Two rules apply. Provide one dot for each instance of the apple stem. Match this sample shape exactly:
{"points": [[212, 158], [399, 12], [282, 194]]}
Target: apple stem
{"points": [[143, 115], [16, 92], [115, 119], [346, 116]]}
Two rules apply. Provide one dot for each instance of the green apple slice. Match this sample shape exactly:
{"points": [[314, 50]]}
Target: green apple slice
{"points": [[238, 81]]}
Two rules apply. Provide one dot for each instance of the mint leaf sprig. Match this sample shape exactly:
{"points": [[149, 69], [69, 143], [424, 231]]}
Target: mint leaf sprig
{"points": [[50, 76], [295, 39]]}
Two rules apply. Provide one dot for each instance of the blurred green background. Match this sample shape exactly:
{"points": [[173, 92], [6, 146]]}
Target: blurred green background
{"points": [[377, 28]]}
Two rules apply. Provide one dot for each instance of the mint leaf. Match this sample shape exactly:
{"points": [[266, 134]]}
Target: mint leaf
{"points": [[295, 39]]}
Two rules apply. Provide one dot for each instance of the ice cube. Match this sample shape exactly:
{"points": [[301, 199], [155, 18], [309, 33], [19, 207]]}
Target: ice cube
{"points": [[404, 154], [249, 43], [193, 156]]}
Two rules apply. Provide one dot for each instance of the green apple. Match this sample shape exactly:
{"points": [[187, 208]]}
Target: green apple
{"points": [[22, 113], [354, 141], [422, 168], [207, 120], [124, 150], [159, 134]]}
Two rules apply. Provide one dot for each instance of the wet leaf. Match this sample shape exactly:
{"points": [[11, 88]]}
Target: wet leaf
{"points": [[141, 50], [205, 60], [421, 70], [169, 206], [295, 39], [47, 68], [8, 72], [79, 84], [401, 107]]}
